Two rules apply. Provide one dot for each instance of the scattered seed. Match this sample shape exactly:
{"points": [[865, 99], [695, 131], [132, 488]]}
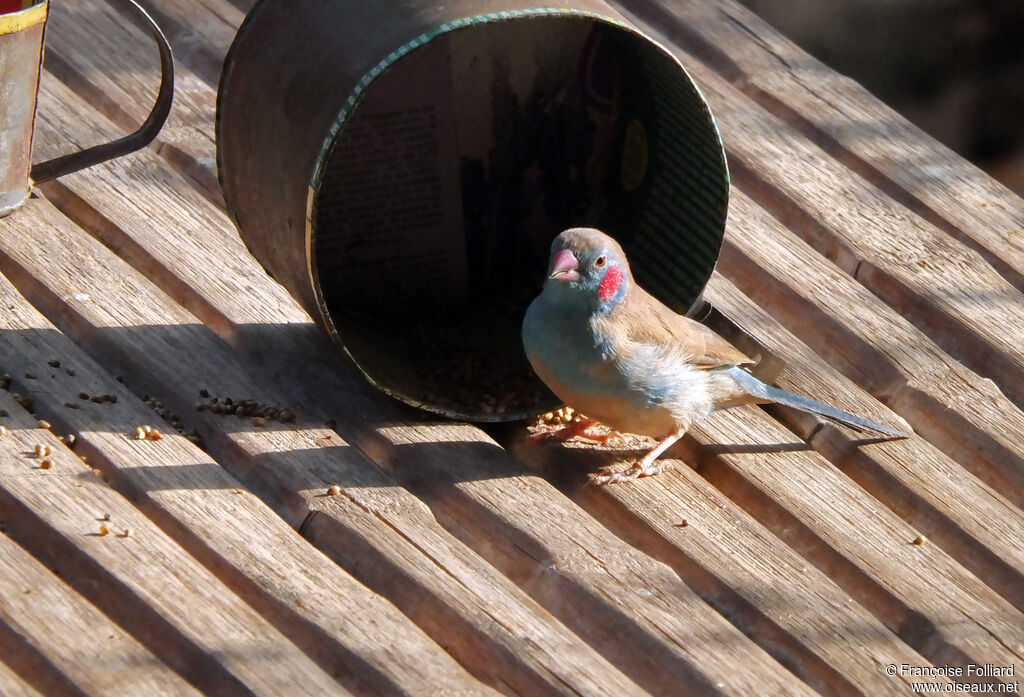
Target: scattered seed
{"points": [[70, 371], [71, 439], [4, 412], [41, 450], [259, 421], [72, 405], [54, 363], [45, 464], [155, 435], [920, 540], [204, 393], [286, 415], [127, 532], [45, 425], [112, 398], [333, 490], [140, 433], [3, 430], [103, 531], [106, 517], [30, 376], [5, 381]]}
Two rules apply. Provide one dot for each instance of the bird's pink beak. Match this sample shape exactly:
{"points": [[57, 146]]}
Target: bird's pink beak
{"points": [[564, 267]]}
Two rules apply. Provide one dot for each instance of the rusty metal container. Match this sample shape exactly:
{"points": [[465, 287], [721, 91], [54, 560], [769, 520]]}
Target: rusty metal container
{"points": [[401, 169], [21, 45], [22, 24]]}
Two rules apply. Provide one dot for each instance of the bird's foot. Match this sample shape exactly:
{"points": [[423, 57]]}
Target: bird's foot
{"points": [[636, 471], [649, 466], [576, 428]]}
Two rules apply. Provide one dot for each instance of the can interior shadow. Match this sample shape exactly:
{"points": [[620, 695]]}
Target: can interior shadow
{"points": [[459, 158]]}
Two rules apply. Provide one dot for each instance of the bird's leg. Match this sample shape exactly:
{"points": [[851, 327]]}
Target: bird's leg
{"points": [[647, 467], [576, 428]]}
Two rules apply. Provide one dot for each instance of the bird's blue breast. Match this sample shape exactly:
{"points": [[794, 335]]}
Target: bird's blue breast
{"points": [[577, 360]]}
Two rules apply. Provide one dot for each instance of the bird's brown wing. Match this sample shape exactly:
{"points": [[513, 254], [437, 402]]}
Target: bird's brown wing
{"points": [[649, 321]]}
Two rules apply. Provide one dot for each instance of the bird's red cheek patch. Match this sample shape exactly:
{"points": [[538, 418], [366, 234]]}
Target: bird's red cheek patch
{"points": [[609, 284]]}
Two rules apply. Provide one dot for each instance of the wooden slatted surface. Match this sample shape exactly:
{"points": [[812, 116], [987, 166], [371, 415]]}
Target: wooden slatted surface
{"points": [[775, 555]]}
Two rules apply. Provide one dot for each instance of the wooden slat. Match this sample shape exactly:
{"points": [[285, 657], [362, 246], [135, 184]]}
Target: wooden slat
{"points": [[973, 523], [146, 583], [963, 414], [469, 489], [12, 685], [855, 128], [354, 634], [942, 286], [292, 466], [736, 564], [78, 641], [652, 620]]}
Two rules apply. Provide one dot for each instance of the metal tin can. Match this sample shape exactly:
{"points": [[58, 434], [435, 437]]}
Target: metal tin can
{"points": [[401, 169]]}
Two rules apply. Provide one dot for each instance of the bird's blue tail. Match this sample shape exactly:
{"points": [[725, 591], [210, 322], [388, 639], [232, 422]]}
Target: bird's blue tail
{"points": [[756, 388]]}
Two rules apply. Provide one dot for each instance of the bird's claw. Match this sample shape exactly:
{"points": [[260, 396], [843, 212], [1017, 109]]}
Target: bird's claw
{"points": [[636, 471]]}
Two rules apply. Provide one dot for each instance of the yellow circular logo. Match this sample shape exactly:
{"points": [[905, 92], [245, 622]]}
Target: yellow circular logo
{"points": [[634, 155]]}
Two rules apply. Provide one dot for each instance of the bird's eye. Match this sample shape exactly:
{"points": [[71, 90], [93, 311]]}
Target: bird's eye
{"points": [[600, 261]]}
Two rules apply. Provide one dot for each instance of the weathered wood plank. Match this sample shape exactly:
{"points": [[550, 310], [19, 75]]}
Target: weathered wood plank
{"points": [[855, 128], [81, 644], [991, 445], [973, 523], [962, 414], [942, 286], [291, 466], [647, 613], [922, 594], [737, 565], [918, 592], [144, 582], [357, 636], [13, 685]]}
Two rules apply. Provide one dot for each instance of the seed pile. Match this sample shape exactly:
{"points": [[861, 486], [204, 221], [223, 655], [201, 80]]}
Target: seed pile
{"points": [[259, 412], [147, 432], [559, 417], [171, 418]]}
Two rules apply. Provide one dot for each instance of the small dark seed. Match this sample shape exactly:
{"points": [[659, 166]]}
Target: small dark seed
{"points": [[53, 364], [204, 392]]}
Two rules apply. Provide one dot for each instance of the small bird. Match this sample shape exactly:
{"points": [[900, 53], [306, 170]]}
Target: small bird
{"points": [[613, 352]]}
